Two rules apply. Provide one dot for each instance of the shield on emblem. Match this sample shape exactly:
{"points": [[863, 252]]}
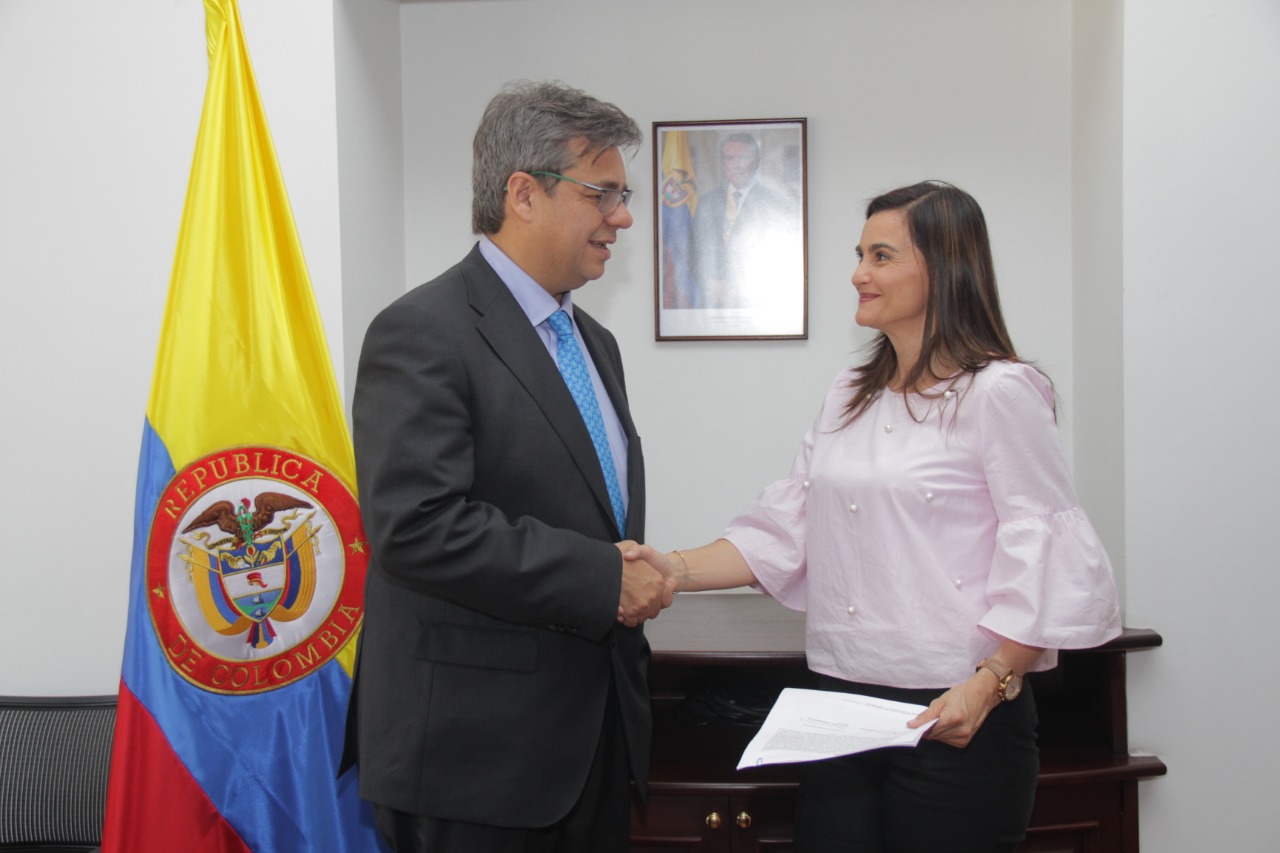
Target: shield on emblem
{"points": [[254, 578], [269, 578], [242, 589]]}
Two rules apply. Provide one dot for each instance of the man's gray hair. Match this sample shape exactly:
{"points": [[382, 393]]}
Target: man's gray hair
{"points": [[528, 127]]}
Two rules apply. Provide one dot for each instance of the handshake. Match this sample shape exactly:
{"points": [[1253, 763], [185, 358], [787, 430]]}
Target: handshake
{"points": [[650, 581]]}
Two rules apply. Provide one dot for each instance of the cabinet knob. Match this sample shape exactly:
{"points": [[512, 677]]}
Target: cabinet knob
{"points": [[713, 820], [744, 820]]}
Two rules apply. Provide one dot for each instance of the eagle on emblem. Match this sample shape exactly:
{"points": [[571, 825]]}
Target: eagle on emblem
{"points": [[243, 523]]}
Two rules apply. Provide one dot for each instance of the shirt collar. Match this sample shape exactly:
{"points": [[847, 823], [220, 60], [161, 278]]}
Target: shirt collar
{"points": [[751, 184], [536, 303]]}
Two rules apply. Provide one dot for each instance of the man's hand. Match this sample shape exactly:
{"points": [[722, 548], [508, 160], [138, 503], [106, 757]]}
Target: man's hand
{"points": [[645, 590]]}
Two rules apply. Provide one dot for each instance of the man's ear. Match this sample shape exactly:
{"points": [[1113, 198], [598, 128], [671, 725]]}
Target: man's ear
{"points": [[521, 189]]}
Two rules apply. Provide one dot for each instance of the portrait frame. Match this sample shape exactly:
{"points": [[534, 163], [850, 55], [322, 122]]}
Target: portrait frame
{"points": [[731, 268]]}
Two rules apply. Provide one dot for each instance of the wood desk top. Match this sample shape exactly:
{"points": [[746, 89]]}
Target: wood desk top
{"points": [[727, 626]]}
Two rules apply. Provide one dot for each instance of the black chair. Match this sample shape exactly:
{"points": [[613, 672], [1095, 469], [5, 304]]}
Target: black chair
{"points": [[54, 757]]}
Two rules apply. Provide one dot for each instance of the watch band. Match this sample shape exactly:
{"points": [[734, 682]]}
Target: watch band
{"points": [[1003, 679], [991, 665]]}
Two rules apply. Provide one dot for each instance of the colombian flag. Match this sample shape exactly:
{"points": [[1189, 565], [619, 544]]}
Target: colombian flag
{"points": [[679, 205], [249, 559]]}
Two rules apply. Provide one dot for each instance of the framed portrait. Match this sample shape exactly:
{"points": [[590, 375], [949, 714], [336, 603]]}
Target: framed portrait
{"points": [[730, 230]]}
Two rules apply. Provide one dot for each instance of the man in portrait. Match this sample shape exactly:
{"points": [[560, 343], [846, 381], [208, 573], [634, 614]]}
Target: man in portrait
{"points": [[746, 233]]}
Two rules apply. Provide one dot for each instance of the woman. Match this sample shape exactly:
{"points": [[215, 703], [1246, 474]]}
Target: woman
{"points": [[931, 533]]}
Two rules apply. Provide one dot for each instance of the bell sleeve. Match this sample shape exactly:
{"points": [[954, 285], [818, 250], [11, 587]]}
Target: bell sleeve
{"points": [[1050, 583]]}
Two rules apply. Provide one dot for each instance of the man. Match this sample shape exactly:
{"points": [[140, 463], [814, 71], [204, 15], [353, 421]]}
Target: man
{"points": [[741, 232], [500, 701]]}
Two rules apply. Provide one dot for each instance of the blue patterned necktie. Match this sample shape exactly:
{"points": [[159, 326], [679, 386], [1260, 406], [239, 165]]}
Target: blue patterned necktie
{"points": [[574, 370]]}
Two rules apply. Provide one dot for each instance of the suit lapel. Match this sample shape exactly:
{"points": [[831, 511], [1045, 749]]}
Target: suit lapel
{"points": [[506, 329]]}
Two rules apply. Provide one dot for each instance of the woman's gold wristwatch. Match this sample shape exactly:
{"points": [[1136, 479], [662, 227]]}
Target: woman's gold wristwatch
{"points": [[1008, 682]]}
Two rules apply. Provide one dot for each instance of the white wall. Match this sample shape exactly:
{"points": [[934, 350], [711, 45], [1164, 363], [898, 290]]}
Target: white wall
{"points": [[1097, 107], [1202, 294], [100, 106], [1123, 153], [371, 151], [893, 93]]}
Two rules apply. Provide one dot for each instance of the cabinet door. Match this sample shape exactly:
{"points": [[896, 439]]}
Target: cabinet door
{"points": [[760, 823], [681, 824], [755, 823], [1087, 818]]}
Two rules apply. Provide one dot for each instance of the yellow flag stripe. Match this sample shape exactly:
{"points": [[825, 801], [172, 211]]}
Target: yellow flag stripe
{"points": [[245, 356]]}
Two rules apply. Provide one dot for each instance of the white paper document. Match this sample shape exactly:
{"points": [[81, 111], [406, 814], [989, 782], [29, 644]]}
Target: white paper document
{"points": [[806, 725]]}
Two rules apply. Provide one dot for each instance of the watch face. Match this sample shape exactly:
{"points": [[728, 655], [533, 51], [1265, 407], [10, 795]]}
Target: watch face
{"points": [[1011, 688]]}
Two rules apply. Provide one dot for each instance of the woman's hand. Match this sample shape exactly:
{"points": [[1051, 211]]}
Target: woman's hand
{"points": [[963, 709], [960, 711]]}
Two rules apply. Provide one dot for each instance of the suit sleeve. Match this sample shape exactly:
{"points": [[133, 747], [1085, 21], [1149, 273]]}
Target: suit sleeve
{"points": [[416, 435]]}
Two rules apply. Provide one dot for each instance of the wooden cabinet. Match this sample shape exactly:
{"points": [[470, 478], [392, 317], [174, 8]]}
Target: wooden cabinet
{"points": [[748, 647], [702, 822]]}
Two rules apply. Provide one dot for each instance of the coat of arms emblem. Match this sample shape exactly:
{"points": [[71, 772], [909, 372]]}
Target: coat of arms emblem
{"points": [[255, 569], [261, 571]]}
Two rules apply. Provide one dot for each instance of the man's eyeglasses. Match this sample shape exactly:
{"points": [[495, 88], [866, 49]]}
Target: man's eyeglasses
{"points": [[609, 199]]}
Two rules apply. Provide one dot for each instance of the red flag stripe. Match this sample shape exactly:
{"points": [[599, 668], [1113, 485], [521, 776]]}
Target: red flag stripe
{"points": [[183, 819]]}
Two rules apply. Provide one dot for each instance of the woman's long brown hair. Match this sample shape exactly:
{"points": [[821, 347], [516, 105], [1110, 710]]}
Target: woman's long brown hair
{"points": [[963, 327]]}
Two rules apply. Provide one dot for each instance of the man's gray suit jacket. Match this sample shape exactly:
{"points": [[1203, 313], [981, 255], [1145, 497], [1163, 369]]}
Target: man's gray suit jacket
{"points": [[489, 642]]}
